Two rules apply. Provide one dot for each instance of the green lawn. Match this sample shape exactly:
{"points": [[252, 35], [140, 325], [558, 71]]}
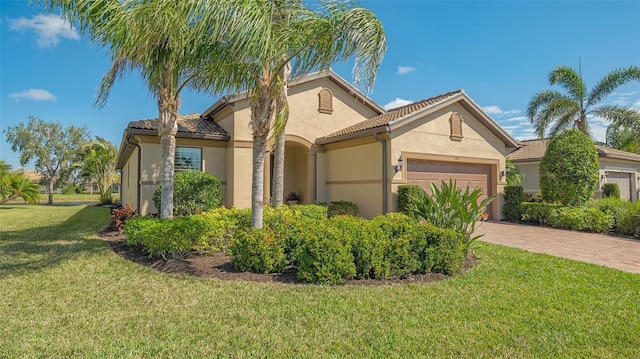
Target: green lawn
{"points": [[59, 198], [63, 293]]}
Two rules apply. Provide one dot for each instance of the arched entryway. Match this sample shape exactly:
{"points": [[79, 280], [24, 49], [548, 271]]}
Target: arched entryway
{"points": [[299, 169]]}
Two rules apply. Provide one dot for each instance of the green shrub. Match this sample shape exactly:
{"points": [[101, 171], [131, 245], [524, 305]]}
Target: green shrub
{"points": [[70, 189], [169, 238], [581, 218], [258, 251], [512, 209], [310, 211], [405, 195], [569, 169], [368, 245], [193, 192], [610, 190], [628, 221], [224, 224], [289, 224], [340, 208], [538, 212], [614, 206], [444, 252], [449, 207], [323, 257], [532, 197]]}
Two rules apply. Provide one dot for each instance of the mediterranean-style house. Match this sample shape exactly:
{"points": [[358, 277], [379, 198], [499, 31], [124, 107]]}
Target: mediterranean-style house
{"points": [[616, 166], [340, 145]]}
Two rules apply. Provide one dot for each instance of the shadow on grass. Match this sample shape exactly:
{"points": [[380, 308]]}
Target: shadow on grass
{"points": [[41, 247]]}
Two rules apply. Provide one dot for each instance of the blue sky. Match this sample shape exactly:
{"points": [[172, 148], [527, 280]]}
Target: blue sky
{"points": [[499, 52]]}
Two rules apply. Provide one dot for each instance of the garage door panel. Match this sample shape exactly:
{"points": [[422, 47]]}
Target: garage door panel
{"points": [[422, 173], [623, 179]]}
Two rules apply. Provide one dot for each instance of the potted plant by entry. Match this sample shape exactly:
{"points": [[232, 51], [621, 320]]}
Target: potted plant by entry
{"points": [[293, 198]]}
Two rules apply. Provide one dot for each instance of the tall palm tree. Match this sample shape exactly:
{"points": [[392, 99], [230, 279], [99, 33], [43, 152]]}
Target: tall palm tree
{"points": [[551, 108], [169, 45], [308, 39]]}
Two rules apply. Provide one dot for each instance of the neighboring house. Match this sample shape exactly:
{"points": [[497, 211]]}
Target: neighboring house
{"points": [[616, 166], [36, 178], [340, 145]]}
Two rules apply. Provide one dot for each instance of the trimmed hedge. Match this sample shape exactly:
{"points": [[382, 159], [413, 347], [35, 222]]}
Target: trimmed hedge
{"points": [[193, 192], [513, 198], [258, 251], [582, 218], [406, 195]]}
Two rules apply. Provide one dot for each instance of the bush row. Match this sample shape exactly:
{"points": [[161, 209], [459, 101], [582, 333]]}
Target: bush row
{"points": [[580, 218], [343, 247], [327, 251]]}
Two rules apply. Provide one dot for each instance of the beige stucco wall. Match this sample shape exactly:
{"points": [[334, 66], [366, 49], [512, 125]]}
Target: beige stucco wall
{"points": [[428, 138], [305, 124], [354, 174], [213, 162], [129, 188]]}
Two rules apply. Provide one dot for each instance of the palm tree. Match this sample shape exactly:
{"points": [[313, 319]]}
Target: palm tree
{"points": [[562, 110], [14, 184], [169, 43], [622, 138], [97, 162], [290, 33]]}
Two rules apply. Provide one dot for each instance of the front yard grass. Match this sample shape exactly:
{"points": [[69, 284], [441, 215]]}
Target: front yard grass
{"points": [[64, 293]]}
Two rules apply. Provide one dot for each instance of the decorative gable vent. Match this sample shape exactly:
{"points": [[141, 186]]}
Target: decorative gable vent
{"points": [[325, 101], [456, 127]]}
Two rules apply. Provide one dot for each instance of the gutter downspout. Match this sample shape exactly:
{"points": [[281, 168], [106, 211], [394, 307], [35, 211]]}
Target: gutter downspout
{"points": [[128, 139], [384, 172]]}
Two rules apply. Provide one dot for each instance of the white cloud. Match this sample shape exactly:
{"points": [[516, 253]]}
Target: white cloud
{"points": [[521, 119], [396, 103], [497, 111], [403, 70], [49, 29], [33, 94]]}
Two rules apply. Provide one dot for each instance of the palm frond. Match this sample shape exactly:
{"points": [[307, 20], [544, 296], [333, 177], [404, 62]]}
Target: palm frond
{"points": [[611, 82], [619, 115], [570, 80], [545, 107]]}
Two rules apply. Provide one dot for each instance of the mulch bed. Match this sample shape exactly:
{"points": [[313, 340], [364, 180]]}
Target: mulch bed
{"points": [[219, 266]]}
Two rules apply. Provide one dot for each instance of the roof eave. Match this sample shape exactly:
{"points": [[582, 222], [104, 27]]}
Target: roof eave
{"points": [[353, 135], [203, 136]]}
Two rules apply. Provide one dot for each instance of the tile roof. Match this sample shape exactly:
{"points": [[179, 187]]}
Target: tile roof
{"points": [[529, 150], [191, 124], [392, 115], [533, 150]]}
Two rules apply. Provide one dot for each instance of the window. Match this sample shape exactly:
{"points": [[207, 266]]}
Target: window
{"points": [[456, 127], [188, 158], [325, 101]]}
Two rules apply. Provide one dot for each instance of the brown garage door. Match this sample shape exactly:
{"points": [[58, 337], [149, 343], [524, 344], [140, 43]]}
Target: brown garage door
{"points": [[422, 173], [623, 179]]}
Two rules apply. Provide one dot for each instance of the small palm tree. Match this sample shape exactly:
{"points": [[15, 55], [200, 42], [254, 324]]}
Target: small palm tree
{"points": [[550, 108], [14, 184], [97, 162], [622, 138]]}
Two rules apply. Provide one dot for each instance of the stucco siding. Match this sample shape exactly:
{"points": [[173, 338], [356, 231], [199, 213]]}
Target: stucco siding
{"points": [[355, 174], [129, 179], [429, 138]]}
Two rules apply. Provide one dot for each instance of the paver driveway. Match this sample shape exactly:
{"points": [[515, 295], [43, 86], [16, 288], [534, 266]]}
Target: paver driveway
{"points": [[606, 250]]}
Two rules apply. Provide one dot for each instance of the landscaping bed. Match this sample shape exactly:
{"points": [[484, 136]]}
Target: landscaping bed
{"points": [[219, 265]]}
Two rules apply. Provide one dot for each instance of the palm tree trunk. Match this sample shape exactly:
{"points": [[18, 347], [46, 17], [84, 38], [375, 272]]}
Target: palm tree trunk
{"points": [[167, 129], [278, 160], [262, 110], [278, 172]]}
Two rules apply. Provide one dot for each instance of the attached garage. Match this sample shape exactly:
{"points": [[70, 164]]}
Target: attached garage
{"points": [[623, 180], [423, 173]]}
